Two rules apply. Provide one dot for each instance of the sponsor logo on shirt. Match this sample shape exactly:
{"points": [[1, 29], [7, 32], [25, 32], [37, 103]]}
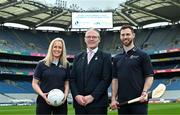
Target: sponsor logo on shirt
{"points": [[133, 57]]}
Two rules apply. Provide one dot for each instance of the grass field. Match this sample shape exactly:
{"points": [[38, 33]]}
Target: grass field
{"points": [[154, 109]]}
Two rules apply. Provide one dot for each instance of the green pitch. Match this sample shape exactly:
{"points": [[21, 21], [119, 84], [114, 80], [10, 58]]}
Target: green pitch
{"points": [[154, 109]]}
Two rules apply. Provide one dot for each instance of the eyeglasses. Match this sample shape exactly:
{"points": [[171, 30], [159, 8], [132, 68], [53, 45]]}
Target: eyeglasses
{"points": [[93, 37]]}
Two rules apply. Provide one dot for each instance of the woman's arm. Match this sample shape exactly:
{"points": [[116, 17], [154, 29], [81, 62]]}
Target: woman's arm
{"points": [[37, 89], [66, 90]]}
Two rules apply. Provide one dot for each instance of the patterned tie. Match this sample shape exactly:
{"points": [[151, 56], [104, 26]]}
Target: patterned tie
{"points": [[90, 55]]}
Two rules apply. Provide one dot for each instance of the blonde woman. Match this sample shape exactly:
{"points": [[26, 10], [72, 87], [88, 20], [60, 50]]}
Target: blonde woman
{"points": [[52, 72]]}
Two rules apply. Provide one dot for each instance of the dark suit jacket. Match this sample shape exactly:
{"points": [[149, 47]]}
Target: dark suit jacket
{"points": [[93, 78]]}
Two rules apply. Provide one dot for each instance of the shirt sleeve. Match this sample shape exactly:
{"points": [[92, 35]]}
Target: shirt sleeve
{"points": [[114, 68], [38, 71], [147, 66]]}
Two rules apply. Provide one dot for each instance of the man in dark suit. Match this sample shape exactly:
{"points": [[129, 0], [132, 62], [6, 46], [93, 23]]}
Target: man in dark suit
{"points": [[91, 77]]}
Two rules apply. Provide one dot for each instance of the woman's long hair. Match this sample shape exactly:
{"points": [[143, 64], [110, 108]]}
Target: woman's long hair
{"points": [[49, 57]]}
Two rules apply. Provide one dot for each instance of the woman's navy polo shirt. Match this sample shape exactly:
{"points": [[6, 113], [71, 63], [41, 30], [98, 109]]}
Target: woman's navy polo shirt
{"points": [[131, 69], [51, 77]]}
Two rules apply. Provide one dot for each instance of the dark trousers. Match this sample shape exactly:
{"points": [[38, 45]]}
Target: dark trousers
{"points": [[91, 110], [43, 108], [137, 108]]}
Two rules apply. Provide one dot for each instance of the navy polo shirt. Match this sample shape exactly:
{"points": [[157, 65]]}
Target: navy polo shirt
{"points": [[51, 77], [131, 69]]}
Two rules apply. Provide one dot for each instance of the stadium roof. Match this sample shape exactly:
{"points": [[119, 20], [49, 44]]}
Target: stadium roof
{"points": [[134, 12]]}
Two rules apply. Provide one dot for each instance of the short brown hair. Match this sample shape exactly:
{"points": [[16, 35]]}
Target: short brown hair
{"points": [[127, 26]]}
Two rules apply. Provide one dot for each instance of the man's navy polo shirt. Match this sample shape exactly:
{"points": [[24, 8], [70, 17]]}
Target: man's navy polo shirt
{"points": [[131, 69], [51, 77]]}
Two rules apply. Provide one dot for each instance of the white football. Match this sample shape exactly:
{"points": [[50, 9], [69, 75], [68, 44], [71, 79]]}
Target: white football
{"points": [[55, 97]]}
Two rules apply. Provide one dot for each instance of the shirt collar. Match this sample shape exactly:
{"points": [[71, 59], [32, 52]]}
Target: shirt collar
{"points": [[131, 50], [94, 50]]}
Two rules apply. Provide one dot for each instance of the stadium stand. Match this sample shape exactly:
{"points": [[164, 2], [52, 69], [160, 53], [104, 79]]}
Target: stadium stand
{"points": [[29, 41], [19, 39], [172, 87]]}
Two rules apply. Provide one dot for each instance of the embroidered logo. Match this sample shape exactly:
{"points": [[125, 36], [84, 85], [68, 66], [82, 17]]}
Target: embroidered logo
{"points": [[133, 57]]}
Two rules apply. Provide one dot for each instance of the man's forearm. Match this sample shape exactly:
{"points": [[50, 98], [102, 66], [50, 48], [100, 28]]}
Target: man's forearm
{"points": [[114, 89], [148, 83]]}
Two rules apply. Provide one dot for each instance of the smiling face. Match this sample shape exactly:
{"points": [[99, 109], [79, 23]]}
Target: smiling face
{"points": [[92, 39], [57, 49], [126, 37]]}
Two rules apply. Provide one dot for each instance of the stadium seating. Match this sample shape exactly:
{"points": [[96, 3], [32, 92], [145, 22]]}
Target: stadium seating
{"points": [[8, 86], [150, 40], [171, 84]]}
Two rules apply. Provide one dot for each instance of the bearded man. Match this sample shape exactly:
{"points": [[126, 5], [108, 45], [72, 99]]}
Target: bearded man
{"points": [[132, 75]]}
